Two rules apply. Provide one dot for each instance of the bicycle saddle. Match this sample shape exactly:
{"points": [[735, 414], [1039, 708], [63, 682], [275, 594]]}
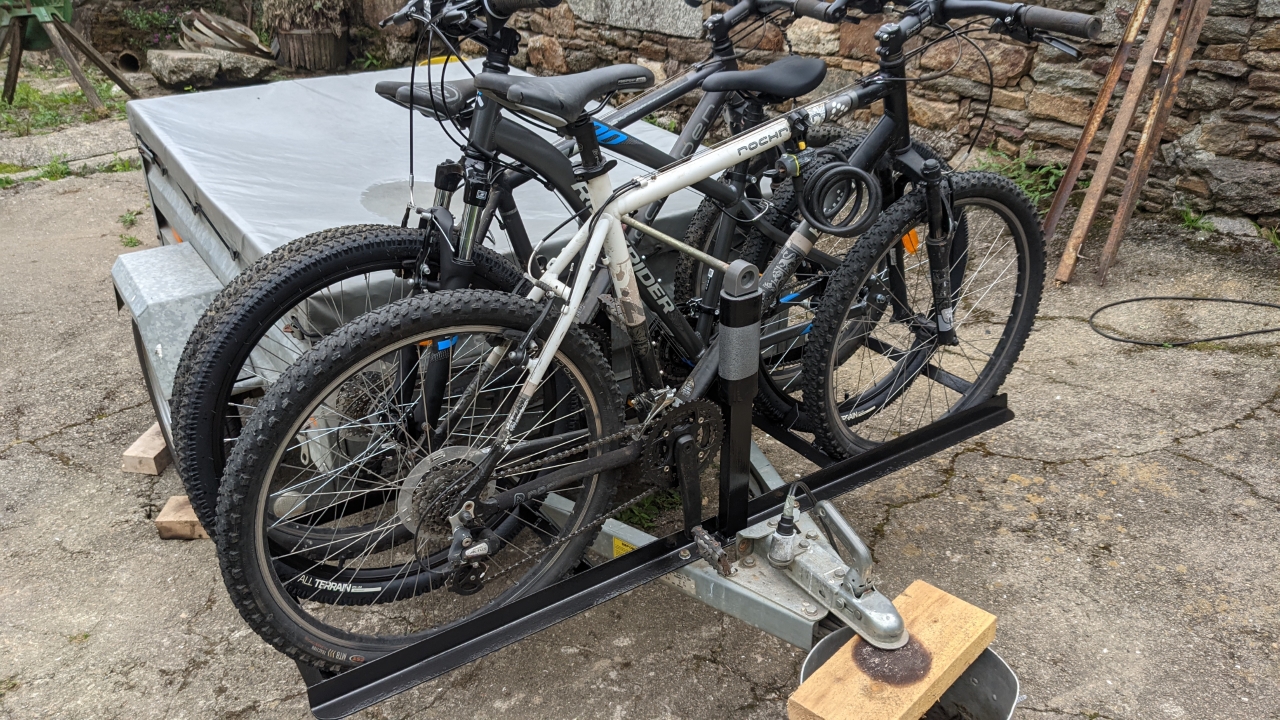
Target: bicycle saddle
{"points": [[433, 100], [561, 100], [787, 78]]}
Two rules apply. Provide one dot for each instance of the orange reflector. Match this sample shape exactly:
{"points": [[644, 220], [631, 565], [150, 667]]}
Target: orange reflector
{"points": [[911, 242]]}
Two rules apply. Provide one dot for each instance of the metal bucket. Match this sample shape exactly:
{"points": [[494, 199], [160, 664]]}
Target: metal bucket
{"points": [[987, 690]]}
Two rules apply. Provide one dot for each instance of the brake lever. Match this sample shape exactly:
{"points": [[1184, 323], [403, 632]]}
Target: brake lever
{"points": [[1057, 43]]}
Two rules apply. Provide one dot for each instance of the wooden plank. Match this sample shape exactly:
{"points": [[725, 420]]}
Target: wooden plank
{"points": [[16, 27], [148, 454], [1096, 115], [177, 521], [73, 65], [862, 683], [1115, 139], [95, 57], [1190, 23]]}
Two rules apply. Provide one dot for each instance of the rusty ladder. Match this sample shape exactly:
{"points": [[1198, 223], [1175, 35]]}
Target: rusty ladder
{"points": [[1191, 17]]}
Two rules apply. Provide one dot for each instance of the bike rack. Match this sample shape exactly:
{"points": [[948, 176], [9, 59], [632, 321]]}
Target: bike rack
{"points": [[742, 465]]}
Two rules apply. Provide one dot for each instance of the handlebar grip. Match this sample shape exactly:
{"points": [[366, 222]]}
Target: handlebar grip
{"points": [[816, 9], [504, 8], [1080, 25]]}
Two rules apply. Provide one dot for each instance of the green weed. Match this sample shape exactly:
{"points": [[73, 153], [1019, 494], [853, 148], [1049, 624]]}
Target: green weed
{"points": [[669, 125], [34, 110], [119, 164], [57, 169], [8, 685], [644, 514], [7, 168], [1039, 183], [129, 241], [129, 219], [1193, 221], [78, 638], [7, 182], [369, 61], [158, 27], [1271, 235]]}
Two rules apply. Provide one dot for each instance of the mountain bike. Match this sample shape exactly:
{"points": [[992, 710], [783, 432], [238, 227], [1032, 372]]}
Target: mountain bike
{"points": [[404, 528], [282, 304]]}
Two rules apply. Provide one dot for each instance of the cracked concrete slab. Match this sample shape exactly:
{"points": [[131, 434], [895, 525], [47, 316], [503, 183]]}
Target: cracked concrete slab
{"points": [[1123, 528], [79, 142]]}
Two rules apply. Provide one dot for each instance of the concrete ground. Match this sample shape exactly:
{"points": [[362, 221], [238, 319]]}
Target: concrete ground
{"points": [[1125, 527]]}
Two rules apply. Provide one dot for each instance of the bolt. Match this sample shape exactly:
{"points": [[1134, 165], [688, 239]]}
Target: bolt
{"points": [[841, 572], [773, 523], [812, 535], [744, 546], [666, 433], [749, 561], [804, 543], [810, 609], [684, 554]]}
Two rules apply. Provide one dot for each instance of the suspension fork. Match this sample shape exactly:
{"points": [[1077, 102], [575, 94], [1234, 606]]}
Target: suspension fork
{"points": [[938, 245]]}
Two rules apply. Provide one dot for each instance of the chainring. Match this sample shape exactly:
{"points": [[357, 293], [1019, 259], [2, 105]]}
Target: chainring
{"points": [[701, 419]]}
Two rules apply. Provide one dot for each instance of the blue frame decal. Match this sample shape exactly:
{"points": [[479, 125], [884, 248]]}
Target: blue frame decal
{"points": [[607, 135]]}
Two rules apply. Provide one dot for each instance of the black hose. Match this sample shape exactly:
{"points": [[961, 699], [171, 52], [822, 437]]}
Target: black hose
{"points": [[1181, 343]]}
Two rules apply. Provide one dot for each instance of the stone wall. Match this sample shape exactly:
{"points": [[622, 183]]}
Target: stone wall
{"points": [[1220, 151]]}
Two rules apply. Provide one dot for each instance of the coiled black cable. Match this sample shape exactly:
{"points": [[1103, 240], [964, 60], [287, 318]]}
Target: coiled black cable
{"points": [[1180, 343]]}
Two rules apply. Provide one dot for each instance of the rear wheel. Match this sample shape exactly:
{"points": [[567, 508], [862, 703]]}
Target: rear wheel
{"points": [[874, 369], [268, 316], [369, 506]]}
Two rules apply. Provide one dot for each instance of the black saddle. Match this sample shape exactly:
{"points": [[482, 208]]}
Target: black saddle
{"points": [[452, 99], [561, 100], [787, 78]]}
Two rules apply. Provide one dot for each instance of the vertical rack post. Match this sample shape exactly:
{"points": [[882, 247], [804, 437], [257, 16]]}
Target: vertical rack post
{"points": [[739, 347]]}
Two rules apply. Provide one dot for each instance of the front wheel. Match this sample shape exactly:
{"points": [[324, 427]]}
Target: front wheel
{"points": [[339, 515], [874, 368]]}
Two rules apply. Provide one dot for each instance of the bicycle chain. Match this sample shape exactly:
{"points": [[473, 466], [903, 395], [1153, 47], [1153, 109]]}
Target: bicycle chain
{"points": [[628, 433], [586, 528]]}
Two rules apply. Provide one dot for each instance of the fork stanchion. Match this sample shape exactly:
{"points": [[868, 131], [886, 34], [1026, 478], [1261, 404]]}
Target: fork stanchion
{"points": [[739, 343]]}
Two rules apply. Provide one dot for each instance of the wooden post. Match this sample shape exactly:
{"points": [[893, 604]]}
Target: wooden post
{"points": [[1068, 182], [862, 683], [1116, 139], [1190, 23], [95, 57], [17, 27], [73, 64]]}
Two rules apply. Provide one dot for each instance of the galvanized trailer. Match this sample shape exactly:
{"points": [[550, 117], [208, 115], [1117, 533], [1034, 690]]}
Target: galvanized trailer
{"points": [[234, 174]]}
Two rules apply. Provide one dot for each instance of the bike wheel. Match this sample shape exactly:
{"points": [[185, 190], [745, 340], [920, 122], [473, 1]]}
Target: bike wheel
{"points": [[269, 315], [332, 451], [873, 369], [785, 327]]}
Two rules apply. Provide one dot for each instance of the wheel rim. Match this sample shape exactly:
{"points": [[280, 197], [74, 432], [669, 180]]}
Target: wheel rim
{"points": [[421, 604]]}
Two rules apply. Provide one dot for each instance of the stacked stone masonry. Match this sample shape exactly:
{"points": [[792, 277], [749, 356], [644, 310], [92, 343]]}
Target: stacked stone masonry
{"points": [[1220, 150]]}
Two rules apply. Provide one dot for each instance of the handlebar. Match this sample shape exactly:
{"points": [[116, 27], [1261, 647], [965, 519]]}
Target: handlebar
{"points": [[504, 8]]}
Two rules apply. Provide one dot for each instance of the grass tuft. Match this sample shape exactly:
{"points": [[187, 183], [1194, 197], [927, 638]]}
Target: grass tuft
{"points": [[7, 182], [1193, 221], [35, 110], [130, 241], [644, 514], [1039, 183], [57, 169], [129, 219]]}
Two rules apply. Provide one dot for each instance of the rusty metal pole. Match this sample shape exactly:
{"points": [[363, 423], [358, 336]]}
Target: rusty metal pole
{"points": [[1068, 182], [1115, 139], [1185, 36]]}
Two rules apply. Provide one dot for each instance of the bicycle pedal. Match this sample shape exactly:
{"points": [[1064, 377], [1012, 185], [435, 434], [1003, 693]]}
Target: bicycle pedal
{"points": [[712, 551]]}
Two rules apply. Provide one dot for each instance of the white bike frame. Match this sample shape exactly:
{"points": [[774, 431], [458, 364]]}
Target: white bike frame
{"points": [[606, 235]]}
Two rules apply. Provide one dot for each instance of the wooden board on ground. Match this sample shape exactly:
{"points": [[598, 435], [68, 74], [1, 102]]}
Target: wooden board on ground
{"points": [[149, 454], [862, 683], [177, 521]]}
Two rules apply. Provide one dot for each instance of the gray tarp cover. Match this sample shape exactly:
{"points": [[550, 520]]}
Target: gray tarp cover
{"points": [[270, 163]]}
